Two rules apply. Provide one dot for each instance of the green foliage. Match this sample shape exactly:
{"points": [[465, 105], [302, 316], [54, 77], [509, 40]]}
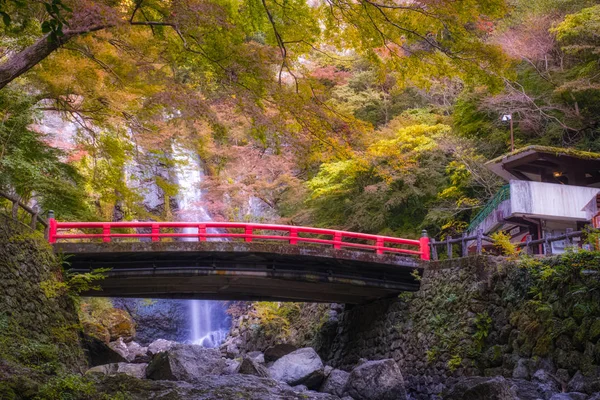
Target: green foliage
{"points": [[483, 323], [29, 167], [67, 387], [72, 284], [275, 318], [454, 362]]}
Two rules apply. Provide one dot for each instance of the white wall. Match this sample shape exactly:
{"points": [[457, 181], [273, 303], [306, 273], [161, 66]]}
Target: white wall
{"points": [[551, 201]]}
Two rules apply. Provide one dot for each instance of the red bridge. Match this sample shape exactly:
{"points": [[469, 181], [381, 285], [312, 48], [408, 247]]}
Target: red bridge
{"points": [[240, 261]]}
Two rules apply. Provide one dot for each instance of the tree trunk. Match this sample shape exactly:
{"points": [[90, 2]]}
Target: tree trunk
{"points": [[27, 58]]}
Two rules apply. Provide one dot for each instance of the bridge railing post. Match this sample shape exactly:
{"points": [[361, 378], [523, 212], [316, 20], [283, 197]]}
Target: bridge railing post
{"points": [[380, 245], [424, 246], [106, 233], [155, 232], [293, 236], [52, 228], [202, 233], [248, 234], [337, 240]]}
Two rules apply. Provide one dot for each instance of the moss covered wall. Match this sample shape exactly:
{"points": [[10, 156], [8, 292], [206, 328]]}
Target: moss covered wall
{"points": [[484, 316], [39, 335]]}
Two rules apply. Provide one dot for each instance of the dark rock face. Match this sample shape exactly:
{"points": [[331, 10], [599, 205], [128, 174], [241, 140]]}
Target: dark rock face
{"points": [[135, 370], [376, 380], [186, 362], [274, 353], [99, 353], [300, 367], [250, 367], [211, 387], [479, 388], [335, 382], [165, 319]]}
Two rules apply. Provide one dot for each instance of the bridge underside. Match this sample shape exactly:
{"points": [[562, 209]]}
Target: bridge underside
{"points": [[242, 271]]}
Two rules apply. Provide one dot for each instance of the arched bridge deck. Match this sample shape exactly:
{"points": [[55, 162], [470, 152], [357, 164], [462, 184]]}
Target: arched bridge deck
{"points": [[233, 261]]}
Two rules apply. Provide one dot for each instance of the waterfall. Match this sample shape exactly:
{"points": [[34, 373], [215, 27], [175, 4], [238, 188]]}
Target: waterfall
{"points": [[208, 319]]}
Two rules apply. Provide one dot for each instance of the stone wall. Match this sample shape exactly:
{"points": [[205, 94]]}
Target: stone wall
{"points": [[478, 316], [29, 318]]}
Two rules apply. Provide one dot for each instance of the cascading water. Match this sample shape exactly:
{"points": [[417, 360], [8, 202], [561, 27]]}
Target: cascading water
{"points": [[209, 322]]}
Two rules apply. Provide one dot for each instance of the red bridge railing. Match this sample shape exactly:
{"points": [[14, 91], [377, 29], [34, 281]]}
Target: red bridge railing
{"points": [[249, 232]]}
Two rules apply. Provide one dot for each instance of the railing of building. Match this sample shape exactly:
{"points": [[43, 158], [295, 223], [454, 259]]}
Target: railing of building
{"points": [[155, 231], [35, 217], [474, 244], [502, 195]]}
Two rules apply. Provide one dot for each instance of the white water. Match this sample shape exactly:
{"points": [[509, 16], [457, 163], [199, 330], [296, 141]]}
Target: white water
{"points": [[206, 317]]}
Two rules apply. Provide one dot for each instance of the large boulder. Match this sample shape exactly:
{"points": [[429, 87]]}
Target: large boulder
{"points": [[118, 322], [274, 353], [335, 382], [569, 396], [160, 345], [96, 330], [186, 362], [300, 367], [376, 380], [478, 388]]}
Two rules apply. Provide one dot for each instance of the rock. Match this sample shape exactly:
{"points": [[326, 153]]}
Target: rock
{"points": [[130, 351], [186, 362], [376, 380], [211, 387], [160, 345], [327, 370], [300, 388], [546, 383], [303, 366], [577, 383], [99, 353], [521, 371], [118, 322], [256, 356], [250, 367], [135, 370], [274, 353], [526, 390], [97, 331], [231, 367], [479, 388], [569, 396], [335, 382], [594, 396]]}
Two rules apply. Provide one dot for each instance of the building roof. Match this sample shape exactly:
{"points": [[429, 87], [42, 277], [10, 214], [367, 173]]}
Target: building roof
{"points": [[549, 164]]}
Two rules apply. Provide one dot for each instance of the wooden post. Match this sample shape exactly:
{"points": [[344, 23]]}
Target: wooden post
{"points": [[568, 239], [547, 244], [380, 245], [15, 209], [248, 234], [434, 253], [528, 249], [463, 243], [449, 246], [51, 230], [34, 218], [479, 241]]}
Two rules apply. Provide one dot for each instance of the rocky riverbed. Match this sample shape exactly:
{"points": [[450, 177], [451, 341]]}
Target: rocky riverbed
{"points": [[166, 369]]}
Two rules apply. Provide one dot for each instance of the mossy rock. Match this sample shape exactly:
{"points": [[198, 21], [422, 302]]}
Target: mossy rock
{"points": [[96, 330], [118, 323], [594, 332]]}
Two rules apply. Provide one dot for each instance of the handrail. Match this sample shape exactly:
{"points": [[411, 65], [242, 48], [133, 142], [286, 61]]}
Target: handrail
{"points": [[502, 195], [35, 217], [380, 245]]}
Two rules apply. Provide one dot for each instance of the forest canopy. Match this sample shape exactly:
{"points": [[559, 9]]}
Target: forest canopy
{"points": [[372, 115]]}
